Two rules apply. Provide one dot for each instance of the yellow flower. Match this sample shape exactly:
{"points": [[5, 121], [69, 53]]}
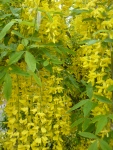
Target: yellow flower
{"points": [[38, 140], [20, 47]]}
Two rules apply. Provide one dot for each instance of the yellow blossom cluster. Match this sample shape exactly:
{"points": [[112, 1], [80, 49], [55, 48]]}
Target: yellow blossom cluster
{"points": [[93, 61], [37, 117], [46, 18]]}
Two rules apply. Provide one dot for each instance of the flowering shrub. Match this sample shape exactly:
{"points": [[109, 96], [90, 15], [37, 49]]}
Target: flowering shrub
{"points": [[93, 65], [56, 74], [32, 76], [37, 116]]}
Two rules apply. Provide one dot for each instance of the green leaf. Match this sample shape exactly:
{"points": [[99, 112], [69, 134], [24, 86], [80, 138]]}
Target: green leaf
{"points": [[35, 39], [17, 33], [27, 23], [101, 124], [3, 54], [45, 63], [66, 50], [5, 1], [79, 11], [15, 11], [93, 146], [89, 42], [89, 19], [47, 53], [2, 80], [83, 82], [49, 68], [32, 46], [81, 103], [102, 99], [110, 116], [56, 61], [31, 61], [49, 16], [73, 81], [2, 68], [25, 42], [104, 145], [97, 118], [89, 90], [15, 57], [100, 31], [2, 74], [18, 20], [37, 79], [77, 122], [88, 135], [88, 107], [6, 29], [5, 15], [86, 123], [110, 88], [108, 40], [18, 71], [7, 87], [58, 50]]}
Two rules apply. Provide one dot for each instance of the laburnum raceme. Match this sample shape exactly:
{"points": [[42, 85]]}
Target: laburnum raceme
{"points": [[93, 60], [37, 117]]}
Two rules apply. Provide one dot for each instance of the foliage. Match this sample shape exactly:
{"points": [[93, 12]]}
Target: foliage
{"points": [[56, 74]]}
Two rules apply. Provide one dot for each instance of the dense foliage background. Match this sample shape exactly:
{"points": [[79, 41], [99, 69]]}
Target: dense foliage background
{"points": [[56, 74]]}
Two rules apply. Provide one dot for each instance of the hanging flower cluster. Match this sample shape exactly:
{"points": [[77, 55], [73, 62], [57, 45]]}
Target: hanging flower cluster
{"points": [[37, 117], [93, 61], [71, 39], [46, 18]]}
